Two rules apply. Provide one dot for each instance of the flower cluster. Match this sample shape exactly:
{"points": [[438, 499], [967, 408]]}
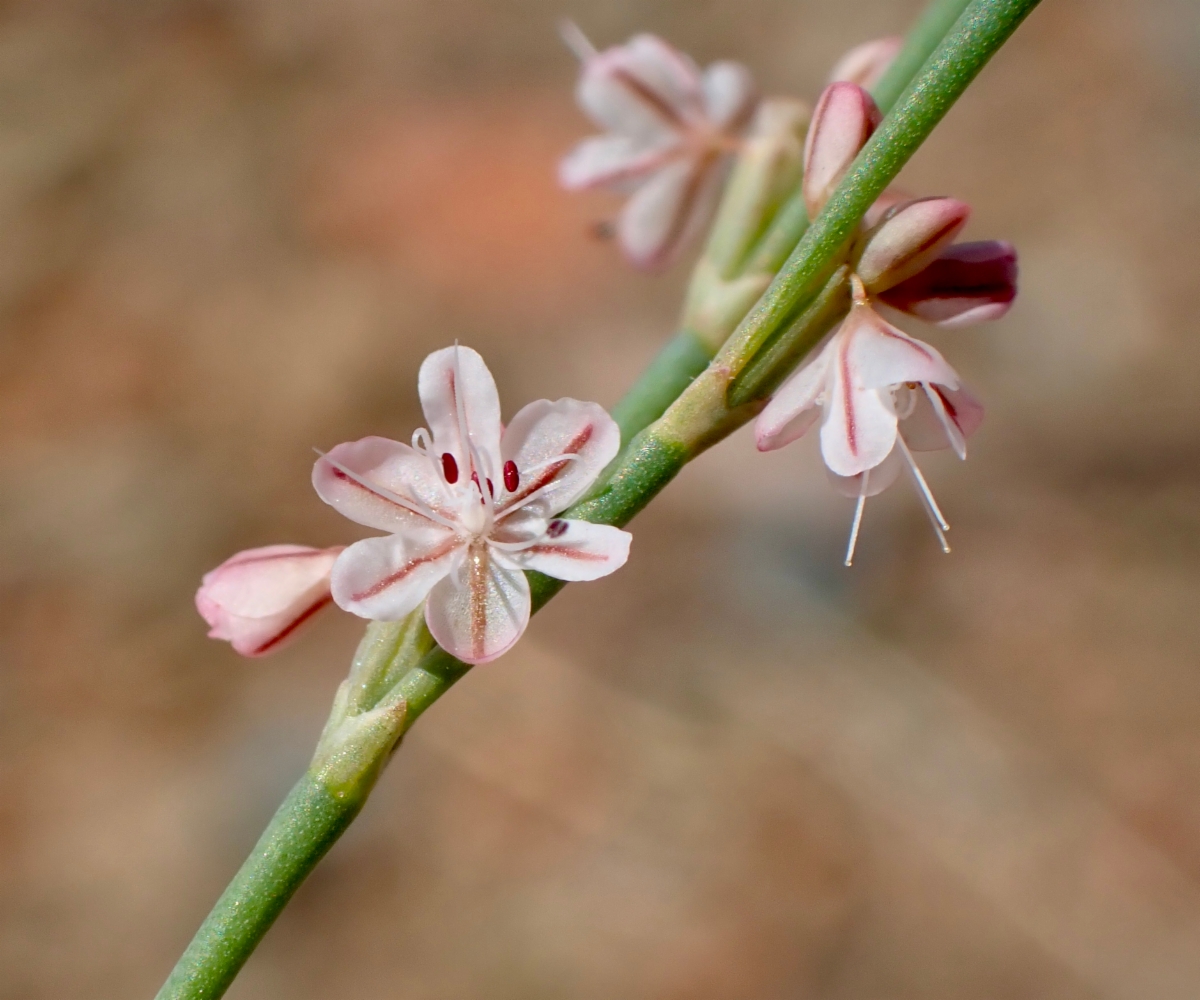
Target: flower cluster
{"points": [[879, 392], [467, 508], [472, 505]]}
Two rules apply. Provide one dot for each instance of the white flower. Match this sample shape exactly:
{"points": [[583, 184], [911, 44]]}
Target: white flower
{"points": [[670, 129], [469, 507]]}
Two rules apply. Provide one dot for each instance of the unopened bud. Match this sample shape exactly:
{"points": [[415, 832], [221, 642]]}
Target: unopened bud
{"points": [[910, 237], [968, 283], [842, 123]]}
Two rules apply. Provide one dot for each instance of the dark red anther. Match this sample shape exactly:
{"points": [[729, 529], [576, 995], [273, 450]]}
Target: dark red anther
{"points": [[449, 468], [491, 488], [556, 529], [512, 478]]}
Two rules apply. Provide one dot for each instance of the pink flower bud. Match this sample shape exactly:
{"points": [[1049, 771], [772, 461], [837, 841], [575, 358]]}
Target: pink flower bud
{"points": [[257, 599], [910, 237], [968, 283], [865, 64], [844, 118]]}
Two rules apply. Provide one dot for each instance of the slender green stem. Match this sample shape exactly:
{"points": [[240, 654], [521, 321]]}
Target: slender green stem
{"points": [[398, 673], [306, 825], [924, 36]]}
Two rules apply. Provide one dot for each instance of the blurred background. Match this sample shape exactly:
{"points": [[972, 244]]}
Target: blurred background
{"points": [[230, 232]]}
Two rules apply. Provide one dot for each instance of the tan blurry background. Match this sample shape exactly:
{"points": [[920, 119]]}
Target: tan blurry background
{"points": [[231, 230]]}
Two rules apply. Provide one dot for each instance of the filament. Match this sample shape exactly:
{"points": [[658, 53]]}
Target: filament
{"points": [[858, 513], [575, 40], [940, 527]]}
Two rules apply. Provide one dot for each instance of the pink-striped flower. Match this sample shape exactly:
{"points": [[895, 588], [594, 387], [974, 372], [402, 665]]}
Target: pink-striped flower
{"points": [[669, 131], [469, 507], [881, 393], [258, 599]]}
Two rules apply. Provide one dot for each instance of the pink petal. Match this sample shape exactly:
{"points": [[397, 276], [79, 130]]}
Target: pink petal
{"points": [[257, 599], [880, 355], [942, 418], [860, 425], [879, 478], [793, 408], [386, 578], [669, 211], [613, 159], [381, 483], [844, 118], [536, 441], [481, 609], [968, 283], [865, 64], [643, 88], [909, 239], [577, 550], [729, 95], [458, 395]]}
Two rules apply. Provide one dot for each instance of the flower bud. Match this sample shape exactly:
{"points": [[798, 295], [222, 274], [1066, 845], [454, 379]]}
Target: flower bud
{"points": [[843, 121], [865, 64], [257, 599], [968, 283], [910, 237]]}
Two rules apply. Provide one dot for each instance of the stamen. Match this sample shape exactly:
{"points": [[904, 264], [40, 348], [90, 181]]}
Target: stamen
{"points": [[575, 40], [411, 506], [512, 478], [940, 527], [450, 468], [491, 488], [557, 528], [953, 433], [858, 513]]}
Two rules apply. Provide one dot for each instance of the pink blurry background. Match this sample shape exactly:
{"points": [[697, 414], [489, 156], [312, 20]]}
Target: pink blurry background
{"points": [[232, 229]]}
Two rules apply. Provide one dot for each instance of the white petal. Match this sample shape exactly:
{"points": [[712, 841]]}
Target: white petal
{"points": [[458, 395], [860, 424], [669, 211], [644, 88], [480, 610], [577, 550], [612, 159], [536, 441], [793, 408], [879, 478], [382, 484], [880, 355], [386, 578], [729, 94]]}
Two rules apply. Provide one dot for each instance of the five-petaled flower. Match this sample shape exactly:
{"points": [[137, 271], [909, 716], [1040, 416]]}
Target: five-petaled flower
{"points": [[670, 129], [258, 599], [469, 507]]}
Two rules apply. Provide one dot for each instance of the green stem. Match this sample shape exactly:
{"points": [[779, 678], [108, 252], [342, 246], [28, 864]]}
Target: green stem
{"points": [[924, 36], [366, 725], [307, 824]]}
